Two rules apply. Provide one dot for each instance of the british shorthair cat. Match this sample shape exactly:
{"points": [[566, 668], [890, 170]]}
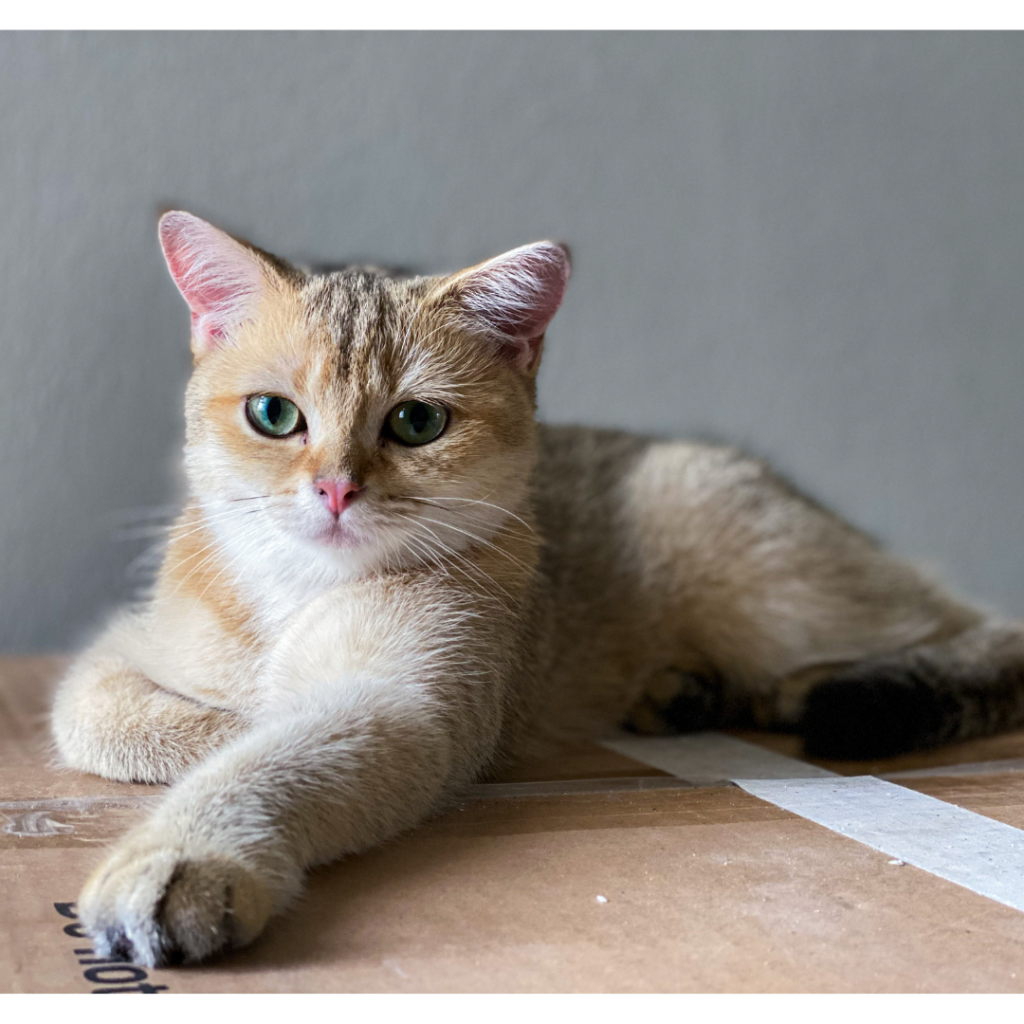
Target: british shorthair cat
{"points": [[389, 581]]}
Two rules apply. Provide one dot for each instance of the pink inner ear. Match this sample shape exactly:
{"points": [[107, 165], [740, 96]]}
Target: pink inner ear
{"points": [[219, 278], [517, 294]]}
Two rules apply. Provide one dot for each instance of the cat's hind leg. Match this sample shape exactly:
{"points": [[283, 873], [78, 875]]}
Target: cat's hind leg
{"points": [[111, 720], [968, 686], [817, 627]]}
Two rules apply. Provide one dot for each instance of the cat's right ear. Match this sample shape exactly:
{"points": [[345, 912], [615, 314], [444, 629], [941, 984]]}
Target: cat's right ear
{"points": [[221, 280]]}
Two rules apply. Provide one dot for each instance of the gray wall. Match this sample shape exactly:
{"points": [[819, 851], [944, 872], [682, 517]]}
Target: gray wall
{"points": [[812, 245]]}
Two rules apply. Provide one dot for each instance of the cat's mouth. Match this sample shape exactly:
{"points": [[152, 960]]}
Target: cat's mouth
{"points": [[337, 532]]}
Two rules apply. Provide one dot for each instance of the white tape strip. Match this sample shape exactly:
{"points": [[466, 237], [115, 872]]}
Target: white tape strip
{"points": [[958, 845], [978, 853], [705, 758]]}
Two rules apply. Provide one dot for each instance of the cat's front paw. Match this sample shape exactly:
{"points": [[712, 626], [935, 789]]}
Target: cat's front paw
{"points": [[157, 905]]}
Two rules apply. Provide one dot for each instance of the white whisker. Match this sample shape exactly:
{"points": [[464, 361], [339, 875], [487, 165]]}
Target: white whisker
{"points": [[452, 553], [481, 540]]}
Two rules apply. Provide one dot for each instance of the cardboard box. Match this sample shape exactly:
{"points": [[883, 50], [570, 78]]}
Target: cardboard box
{"points": [[590, 872]]}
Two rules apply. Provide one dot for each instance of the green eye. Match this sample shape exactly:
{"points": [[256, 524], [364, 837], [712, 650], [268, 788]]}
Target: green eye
{"points": [[416, 422], [273, 415]]}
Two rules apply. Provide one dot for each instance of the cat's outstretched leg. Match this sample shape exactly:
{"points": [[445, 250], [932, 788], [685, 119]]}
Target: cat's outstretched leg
{"points": [[111, 720], [229, 846], [378, 708]]}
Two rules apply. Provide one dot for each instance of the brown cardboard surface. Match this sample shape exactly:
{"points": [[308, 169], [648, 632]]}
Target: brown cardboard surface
{"points": [[580, 761], [708, 889]]}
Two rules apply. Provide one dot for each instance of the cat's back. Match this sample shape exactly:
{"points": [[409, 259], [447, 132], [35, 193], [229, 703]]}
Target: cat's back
{"points": [[657, 539], [595, 488], [625, 517]]}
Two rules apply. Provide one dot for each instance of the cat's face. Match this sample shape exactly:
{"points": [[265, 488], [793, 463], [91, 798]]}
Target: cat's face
{"points": [[376, 421]]}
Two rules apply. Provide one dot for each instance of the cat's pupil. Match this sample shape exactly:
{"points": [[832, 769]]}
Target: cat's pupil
{"points": [[419, 417], [273, 411]]}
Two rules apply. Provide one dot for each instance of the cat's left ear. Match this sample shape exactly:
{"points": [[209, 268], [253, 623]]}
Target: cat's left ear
{"points": [[511, 299], [221, 279]]}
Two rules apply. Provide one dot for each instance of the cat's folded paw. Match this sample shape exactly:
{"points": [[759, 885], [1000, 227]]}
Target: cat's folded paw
{"points": [[157, 905]]}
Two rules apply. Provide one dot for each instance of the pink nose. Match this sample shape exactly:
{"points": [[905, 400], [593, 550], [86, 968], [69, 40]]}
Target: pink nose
{"points": [[337, 495]]}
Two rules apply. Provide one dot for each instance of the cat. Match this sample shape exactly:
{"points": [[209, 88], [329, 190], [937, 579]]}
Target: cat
{"points": [[390, 581]]}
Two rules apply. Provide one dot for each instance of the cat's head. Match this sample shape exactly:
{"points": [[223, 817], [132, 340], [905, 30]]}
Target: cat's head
{"points": [[371, 418]]}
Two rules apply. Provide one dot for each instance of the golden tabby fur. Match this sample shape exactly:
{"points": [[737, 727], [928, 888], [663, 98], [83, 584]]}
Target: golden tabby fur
{"points": [[313, 683]]}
